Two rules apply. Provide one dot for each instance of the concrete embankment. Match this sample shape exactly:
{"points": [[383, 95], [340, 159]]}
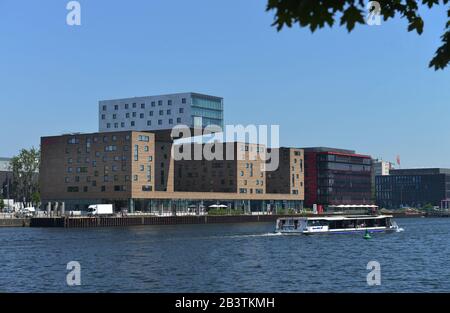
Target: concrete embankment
{"points": [[146, 220], [14, 222], [88, 222]]}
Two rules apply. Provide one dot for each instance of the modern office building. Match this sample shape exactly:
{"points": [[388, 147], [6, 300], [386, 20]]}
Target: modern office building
{"points": [[138, 172], [160, 112], [337, 177], [413, 188]]}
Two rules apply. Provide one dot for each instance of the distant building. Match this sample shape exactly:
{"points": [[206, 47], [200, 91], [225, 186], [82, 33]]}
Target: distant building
{"points": [[5, 177], [337, 177], [160, 112], [413, 188], [381, 168]]}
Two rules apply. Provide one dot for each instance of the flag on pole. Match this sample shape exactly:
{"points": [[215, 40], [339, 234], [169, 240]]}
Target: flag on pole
{"points": [[398, 160]]}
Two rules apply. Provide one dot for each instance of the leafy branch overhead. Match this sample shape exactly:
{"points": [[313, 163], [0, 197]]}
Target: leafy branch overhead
{"points": [[318, 13]]}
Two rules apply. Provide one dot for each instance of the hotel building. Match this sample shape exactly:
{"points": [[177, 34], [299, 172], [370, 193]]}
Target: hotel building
{"points": [[136, 170]]}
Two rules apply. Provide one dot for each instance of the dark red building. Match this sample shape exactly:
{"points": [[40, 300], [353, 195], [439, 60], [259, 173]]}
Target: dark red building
{"points": [[336, 177]]}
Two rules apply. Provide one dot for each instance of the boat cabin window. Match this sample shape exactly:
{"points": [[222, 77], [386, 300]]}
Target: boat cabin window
{"points": [[312, 223]]}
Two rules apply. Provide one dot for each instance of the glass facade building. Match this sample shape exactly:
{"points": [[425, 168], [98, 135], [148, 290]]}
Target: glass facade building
{"points": [[337, 177], [412, 188]]}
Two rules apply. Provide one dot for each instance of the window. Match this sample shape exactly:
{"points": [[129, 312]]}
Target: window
{"points": [[108, 125], [151, 113], [149, 123], [181, 110], [159, 122], [135, 178], [179, 120], [122, 124], [183, 100], [134, 105], [150, 158], [153, 103], [142, 105], [133, 123], [141, 115], [160, 102], [103, 116], [114, 116], [147, 188], [143, 138], [72, 189], [168, 112], [67, 179], [104, 108], [142, 168], [161, 112], [69, 170], [169, 102], [126, 106], [146, 148], [170, 121], [69, 160], [134, 114], [103, 188], [85, 189], [116, 107], [116, 125], [136, 153], [119, 188], [127, 115], [110, 148], [73, 141], [242, 190]]}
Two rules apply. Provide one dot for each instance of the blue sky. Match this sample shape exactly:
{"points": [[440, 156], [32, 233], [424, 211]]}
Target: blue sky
{"points": [[370, 90]]}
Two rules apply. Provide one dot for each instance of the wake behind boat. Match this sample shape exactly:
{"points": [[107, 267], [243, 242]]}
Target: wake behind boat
{"points": [[336, 224]]}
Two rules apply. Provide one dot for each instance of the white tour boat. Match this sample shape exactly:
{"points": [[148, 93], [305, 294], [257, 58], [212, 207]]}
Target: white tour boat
{"points": [[336, 224]]}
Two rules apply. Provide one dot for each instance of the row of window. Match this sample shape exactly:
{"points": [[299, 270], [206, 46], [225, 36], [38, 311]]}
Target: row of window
{"points": [[104, 188], [142, 115], [149, 123], [245, 190], [134, 105], [107, 178]]}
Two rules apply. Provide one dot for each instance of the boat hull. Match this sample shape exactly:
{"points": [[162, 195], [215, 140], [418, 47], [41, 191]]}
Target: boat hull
{"points": [[338, 232]]}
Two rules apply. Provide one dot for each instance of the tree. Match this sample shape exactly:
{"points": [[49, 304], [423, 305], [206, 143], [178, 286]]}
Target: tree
{"points": [[318, 13], [2, 203], [36, 198], [25, 167]]}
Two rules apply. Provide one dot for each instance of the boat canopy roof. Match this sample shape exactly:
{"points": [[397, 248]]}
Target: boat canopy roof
{"points": [[338, 218]]}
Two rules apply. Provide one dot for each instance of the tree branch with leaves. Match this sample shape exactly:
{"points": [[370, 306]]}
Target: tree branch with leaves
{"points": [[318, 13]]}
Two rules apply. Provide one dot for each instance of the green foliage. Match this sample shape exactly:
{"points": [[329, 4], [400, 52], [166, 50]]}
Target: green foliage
{"points": [[318, 13], [36, 198], [25, 167], [2, 204]]}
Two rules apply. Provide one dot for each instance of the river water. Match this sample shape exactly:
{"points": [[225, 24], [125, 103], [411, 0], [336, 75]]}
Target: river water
{"points": [[224, 258]]}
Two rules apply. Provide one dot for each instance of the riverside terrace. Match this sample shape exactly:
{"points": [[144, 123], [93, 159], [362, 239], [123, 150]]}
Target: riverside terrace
{"points": [[135, 171]]}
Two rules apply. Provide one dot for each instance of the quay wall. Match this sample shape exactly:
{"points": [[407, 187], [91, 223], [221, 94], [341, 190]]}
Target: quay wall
{"points": [[89, 222], [14, 222]]}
